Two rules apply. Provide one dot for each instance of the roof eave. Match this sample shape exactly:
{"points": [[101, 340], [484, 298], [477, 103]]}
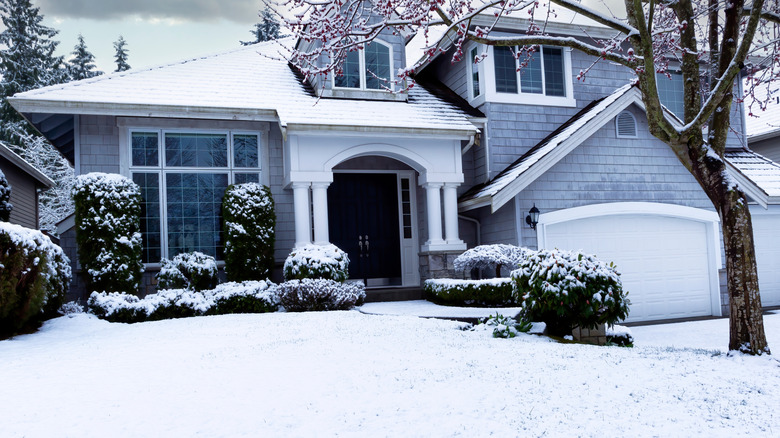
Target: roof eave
{"points": [[28, 168], [460, 134], [753, 190]]}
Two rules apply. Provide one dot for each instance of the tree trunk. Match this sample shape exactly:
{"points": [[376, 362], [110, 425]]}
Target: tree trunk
{"points": [[746, 323]]}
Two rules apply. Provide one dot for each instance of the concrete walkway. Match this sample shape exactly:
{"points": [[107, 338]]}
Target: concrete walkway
{"points": [[427, 309]]}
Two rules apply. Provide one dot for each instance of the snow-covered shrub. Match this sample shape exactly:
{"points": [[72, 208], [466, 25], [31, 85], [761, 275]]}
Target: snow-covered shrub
{"points": [[249, 224], [247, 297], [565, 289], [317, 261], [506, 327], [320, 294], [108, 208], [189, 270], [70, 308], [619, 335], [494, 292], [34, 276], [5, 199], [492, 257]]}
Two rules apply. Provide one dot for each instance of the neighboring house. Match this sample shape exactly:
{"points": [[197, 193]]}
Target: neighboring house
{"points": [[404, 182], [25, 181], [763, 126]]}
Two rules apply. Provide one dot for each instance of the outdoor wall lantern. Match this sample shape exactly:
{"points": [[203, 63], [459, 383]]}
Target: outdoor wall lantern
{"points": [[533, 217]]}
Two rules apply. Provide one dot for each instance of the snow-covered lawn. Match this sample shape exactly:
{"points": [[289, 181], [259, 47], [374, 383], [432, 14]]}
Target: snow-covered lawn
{"points": [[351, 374]]}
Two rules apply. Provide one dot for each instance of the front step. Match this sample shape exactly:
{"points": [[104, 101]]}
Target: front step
{"points": [[394, 294]]}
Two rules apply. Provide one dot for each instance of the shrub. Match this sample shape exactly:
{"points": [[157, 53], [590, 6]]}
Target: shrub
{"points": [[34, 276], [495, 292], [190, 270], [247, 297], [492, 257], [108, 209], [506, 327], [320, 294], [5, 199], [565, 289], [317, 261], [620, 336], [249, 224]]}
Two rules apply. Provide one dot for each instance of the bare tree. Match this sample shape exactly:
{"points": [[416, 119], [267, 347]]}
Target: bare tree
{"points": [[689, 33]]}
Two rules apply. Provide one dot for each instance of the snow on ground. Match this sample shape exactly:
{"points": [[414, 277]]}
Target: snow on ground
{"points": [[427, 309], [351, 374]]}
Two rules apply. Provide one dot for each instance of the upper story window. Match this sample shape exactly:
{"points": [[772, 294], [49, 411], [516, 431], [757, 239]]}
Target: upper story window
{"points": [[544, 78], [367, 69], [183, 176], [670, 92]]}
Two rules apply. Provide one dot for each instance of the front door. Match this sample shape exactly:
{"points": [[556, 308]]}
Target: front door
{"points": [[363, 221]]}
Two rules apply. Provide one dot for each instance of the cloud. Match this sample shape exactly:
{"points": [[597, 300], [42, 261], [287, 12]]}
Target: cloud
{"points": [[240, 11]]}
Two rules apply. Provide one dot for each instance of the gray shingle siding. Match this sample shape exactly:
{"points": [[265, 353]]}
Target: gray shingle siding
{"points": [[98, 145], [24, 195], [283, 198], [769, 148]]}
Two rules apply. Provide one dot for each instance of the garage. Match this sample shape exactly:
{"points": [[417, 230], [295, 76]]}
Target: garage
{"points": [[668, 255], [766, 233]]}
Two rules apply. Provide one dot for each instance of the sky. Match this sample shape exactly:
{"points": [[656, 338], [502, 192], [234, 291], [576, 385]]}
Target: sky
{"points": [[157, 31]]}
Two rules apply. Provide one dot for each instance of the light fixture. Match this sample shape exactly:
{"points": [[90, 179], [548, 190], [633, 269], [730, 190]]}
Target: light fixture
{"points": [[533, 217]]}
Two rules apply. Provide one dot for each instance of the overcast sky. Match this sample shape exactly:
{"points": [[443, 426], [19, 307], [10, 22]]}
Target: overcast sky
{"points": [[157, 31]]}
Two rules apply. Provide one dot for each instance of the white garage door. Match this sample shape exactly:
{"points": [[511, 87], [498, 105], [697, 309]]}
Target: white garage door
{"points": [[766, 233], [663, 260]]}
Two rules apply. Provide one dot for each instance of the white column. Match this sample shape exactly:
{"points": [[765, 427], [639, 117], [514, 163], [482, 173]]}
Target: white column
{"points": [[451, 214], [433, 195], [319, 196], [301, 205]]}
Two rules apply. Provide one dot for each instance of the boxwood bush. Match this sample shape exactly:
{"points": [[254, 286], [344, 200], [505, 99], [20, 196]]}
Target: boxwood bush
{"points": [[34, 277], [248, 210], [494, 292], [189, 270], [565, 289], [317, 261], [108, 224], [491, 257], [314, 294]]}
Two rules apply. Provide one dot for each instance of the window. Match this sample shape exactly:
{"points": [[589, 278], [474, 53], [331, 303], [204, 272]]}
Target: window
{"points": [[670, 92], [474, 68], [543, 72], [367, 69], [183, 177]]}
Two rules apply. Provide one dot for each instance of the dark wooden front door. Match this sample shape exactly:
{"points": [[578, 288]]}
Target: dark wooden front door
{"points": [[363, 221]]}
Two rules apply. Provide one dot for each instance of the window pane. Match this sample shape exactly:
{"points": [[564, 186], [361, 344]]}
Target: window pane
{"points": [[531, 73], [506, 71], [194, 206], [245, 151], [241, 178], [670, 91], [553, 71], [145, 149], [378, 63], [350, 78], [196, 150], [150, 216], [474, 73]]}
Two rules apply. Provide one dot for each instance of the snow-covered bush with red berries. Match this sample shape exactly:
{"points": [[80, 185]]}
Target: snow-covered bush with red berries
{"points": [[565, 289]]}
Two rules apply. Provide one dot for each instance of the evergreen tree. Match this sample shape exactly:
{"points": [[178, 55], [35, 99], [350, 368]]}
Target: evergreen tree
{"points": [[27, 59], [267, 29], [120, 57], [82, 66]]}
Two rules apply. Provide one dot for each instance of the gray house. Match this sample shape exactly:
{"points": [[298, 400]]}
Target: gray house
{"points": [[404, 182], [25, 181]]}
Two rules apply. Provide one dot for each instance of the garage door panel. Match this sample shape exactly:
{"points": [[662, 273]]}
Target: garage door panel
{"points": [[766, 232], [663, 261]]}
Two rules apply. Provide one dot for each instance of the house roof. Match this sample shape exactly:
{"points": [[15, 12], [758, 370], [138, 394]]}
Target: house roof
{"points": [[757, 176], [762, 124], [26, 167], [540, 158], [248, 83]]}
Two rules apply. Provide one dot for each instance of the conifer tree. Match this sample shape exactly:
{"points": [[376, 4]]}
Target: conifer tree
{"points": [[266, 30], [82, 66], [27, 59], [120, 56]]}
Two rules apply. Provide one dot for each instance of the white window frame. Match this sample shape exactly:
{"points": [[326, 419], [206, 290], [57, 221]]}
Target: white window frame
{"points": [[617, 128], [488, 78], [162, 170], [470, 66], [362, 63]]}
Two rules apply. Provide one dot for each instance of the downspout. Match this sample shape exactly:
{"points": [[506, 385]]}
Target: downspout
{"points": [[477, 226]]}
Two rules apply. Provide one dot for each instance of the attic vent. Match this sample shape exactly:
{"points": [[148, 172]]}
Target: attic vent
{"points": [[626, 125]]}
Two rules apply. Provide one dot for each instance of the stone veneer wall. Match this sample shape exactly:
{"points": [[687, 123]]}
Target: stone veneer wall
{"points": [[438, 264]]}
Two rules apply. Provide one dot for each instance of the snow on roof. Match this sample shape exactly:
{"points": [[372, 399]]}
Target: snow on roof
{"points": [[752, 169], [250, 80], [762, 124], [542, 152]]}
